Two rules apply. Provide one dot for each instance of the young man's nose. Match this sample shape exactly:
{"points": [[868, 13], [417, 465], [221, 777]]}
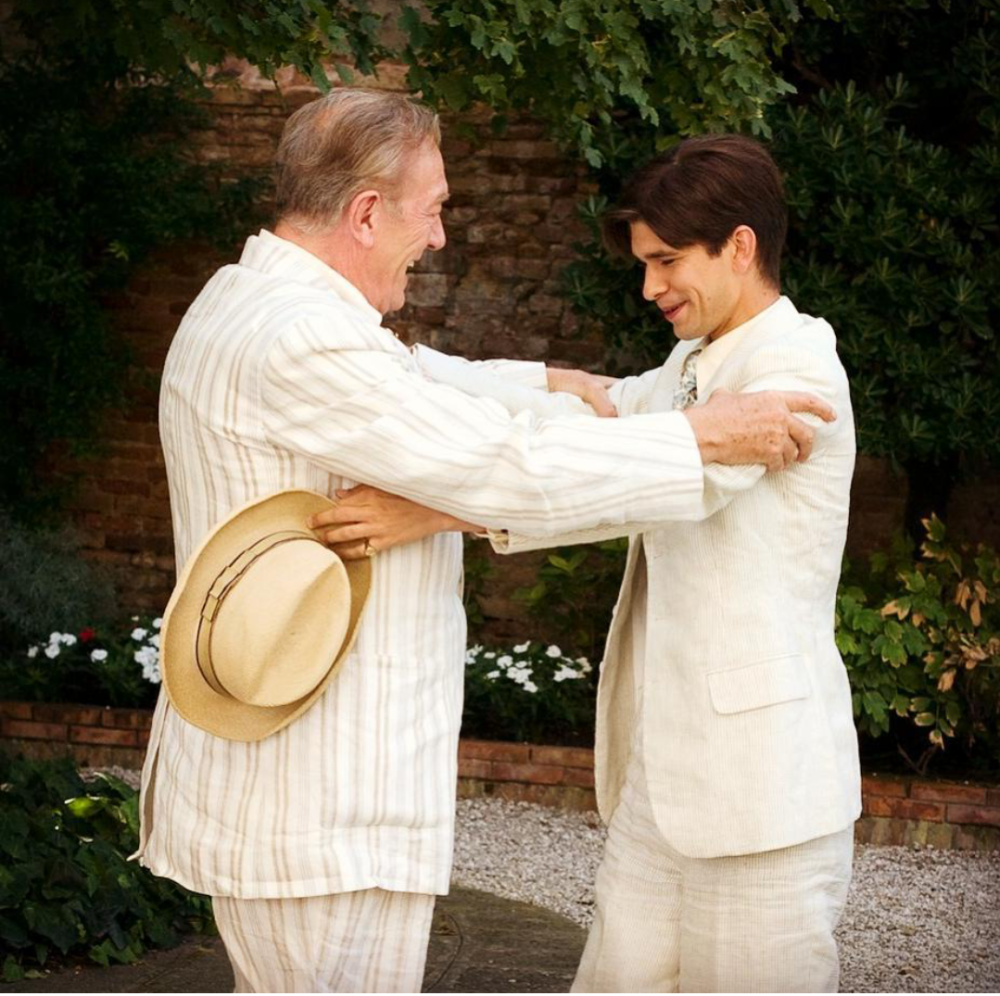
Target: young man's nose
{"points": [[653, 285]]}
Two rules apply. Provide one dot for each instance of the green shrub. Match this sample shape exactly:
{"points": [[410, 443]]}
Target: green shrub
{"points": [[530, 692], [920, 638], [574, 593], [95, 666], [65, 884], [45, 585]]}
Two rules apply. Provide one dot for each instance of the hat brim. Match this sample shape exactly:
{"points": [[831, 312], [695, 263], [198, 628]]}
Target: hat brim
{"points": [[185, 685]]}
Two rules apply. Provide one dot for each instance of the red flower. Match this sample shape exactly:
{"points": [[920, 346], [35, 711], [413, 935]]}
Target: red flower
{"points": [[86, 635]]}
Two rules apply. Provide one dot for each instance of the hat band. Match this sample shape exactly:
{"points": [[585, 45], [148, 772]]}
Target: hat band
{"points": [[220, 588]]}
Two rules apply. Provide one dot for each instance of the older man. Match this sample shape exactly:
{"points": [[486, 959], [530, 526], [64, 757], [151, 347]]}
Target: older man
{"points": [[324, 845]]}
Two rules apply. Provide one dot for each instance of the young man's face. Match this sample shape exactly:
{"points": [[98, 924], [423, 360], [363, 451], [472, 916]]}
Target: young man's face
{"points": [[410, 226], [697, 293]]}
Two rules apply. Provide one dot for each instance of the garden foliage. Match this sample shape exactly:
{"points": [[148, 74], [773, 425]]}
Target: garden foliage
{"points": [[66, 887], [45, 586]]}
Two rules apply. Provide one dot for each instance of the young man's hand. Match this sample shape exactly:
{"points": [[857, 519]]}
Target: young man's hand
{"points": [[588, 387]]}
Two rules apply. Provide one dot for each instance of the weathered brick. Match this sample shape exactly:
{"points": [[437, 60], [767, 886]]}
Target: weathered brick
{"points": [[570, 757], [59, 713], [988, 816], [948, 792], [907, 809], [126, 719], [489, 750], [16, 710], [102, 735], [878, 785], [533, 774], [582, 777], [30, 730], [473, 768]]}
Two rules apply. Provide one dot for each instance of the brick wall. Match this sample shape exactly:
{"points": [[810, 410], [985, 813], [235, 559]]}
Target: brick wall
{"points": [[491, 292], [896, 810]]}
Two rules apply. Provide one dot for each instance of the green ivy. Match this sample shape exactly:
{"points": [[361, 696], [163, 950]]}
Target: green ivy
{"points": [[66, 887]]}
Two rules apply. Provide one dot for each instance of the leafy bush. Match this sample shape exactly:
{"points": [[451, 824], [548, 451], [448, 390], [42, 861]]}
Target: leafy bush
{"points": [[574, 594], [530, 692], [45, 585], [93, 175], [65, 883], [921, 642], [94, 667]]}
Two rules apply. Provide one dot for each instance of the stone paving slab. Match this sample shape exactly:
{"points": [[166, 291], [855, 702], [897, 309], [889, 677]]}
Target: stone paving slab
{"points": [[478, 944]]}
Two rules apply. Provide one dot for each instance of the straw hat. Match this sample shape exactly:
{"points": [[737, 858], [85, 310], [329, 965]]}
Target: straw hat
{"points": [[262, 615]]}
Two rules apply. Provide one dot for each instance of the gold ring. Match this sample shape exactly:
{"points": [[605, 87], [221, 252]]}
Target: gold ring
{"points": [[369, 550]]}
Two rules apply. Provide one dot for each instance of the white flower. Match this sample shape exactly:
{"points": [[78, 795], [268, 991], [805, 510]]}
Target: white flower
{"points": [[135, 618], [553, 651], [530, 686], [157, 623], [52, 651], [522, 647], [54, 638], [147, 656], [138, 634], [98, 655], [152, 673], [493, 675], [489, 655], [566, 673], [154, 641], [68, 638], [505, 661], [32, 652]]}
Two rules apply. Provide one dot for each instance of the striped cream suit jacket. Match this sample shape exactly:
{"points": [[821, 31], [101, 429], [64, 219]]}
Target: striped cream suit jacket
{"points": [[280, 376], [748, 738]]}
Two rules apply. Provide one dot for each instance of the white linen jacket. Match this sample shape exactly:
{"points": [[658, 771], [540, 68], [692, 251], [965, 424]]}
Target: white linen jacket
{"points": [[747, 731], [281, 375]]}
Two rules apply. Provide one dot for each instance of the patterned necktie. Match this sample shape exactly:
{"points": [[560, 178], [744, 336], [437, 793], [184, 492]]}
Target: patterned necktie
{"points": [[687, 389]]}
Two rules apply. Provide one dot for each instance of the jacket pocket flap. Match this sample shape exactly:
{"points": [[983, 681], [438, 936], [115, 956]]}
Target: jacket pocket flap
{"points": [[780, 679]]}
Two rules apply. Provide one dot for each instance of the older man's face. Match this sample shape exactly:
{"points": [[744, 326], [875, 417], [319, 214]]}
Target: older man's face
{"points": [[409, 226]]}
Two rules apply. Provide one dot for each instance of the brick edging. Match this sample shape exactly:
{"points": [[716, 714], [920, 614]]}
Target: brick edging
{"points": [[562, 776]]}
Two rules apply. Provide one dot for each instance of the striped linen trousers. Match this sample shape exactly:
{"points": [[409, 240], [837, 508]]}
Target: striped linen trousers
{"points": [[371, 941]]}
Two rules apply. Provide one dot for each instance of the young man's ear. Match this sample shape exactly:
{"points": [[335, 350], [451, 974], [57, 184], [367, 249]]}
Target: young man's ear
{"points": [[362, 215], [744, 241]]}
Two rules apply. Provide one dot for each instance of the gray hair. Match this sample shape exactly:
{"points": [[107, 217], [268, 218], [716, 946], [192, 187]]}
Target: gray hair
{"points": [[350, 140]]}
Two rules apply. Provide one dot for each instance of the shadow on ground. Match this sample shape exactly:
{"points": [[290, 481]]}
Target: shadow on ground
{"points": [[479, 943]]}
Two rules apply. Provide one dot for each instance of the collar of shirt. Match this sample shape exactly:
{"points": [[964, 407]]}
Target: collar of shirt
{"points": [[715, 353], [269, 253]]}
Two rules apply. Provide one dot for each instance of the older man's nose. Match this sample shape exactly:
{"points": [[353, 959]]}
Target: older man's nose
{"points": [[437, 239]]}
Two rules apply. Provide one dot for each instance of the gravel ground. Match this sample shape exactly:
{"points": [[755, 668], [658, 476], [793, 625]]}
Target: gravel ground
{"points": [[917, 920]]}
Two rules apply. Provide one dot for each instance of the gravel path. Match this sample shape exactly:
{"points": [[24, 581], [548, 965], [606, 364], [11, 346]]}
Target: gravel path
{"points": [[917, 920]]}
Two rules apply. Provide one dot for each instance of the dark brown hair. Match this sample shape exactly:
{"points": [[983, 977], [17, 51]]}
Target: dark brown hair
{"points": [[699, 192]]}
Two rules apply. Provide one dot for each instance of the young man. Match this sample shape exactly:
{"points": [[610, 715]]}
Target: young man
{"points": [[726, 755], [324, 844]]}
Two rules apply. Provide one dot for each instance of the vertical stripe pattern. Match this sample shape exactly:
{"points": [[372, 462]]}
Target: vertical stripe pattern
{"points": [[281, 376], [357, 942]]}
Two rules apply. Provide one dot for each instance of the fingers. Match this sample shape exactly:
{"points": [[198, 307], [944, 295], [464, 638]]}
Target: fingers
{"points": [[802, 435], [348, 533], [598, 400], [799, 401], [350, 551]]}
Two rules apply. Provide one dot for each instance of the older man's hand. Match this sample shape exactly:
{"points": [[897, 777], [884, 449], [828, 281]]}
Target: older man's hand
{"points": [[756, 428]]}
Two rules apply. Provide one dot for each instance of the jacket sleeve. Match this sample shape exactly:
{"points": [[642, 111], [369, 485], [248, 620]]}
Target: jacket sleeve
{"points": [[787, 365], [365, 412], [631, 397]]}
